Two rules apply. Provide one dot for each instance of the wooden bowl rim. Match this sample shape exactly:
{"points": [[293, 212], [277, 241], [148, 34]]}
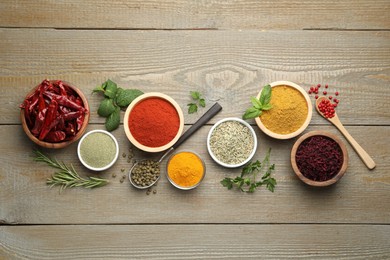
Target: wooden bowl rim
{"points": [[138, 100], [343, 168], [61, 144], [303, 126]]}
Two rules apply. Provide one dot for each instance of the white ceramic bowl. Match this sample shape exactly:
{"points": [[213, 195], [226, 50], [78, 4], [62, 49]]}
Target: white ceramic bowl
{"points": [[303, 126], [135, 103], [97, 151], [250, 155]]}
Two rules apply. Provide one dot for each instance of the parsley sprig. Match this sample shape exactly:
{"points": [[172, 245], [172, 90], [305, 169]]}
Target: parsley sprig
{"points": [[247, 182], [263, 103], [198, 100]]}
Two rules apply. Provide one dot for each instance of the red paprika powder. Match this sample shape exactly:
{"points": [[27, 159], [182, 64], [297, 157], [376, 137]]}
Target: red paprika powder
{"points": [[154, 122]]}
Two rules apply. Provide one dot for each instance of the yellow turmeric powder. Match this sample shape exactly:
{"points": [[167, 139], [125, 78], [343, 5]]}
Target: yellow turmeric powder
{"points": [[185, 169], [288, 113]]}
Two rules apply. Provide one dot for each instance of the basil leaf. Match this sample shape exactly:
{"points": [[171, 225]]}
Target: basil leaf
{"points": [[256, 103], [111, 89], [126, 96], [266, 106], [265, 96], [251, 113], [113, 120], [195, 95], [202, 102], [192, 108], [98, 89], [106, 107]]}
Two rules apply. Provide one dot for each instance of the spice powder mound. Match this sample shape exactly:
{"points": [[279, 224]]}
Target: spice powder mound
{"points": [[154, 122], [98, 150], [288, 113], [231, 142]]}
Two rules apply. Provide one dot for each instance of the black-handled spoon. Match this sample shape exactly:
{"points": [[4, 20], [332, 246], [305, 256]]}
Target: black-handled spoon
{"points": [[200, 122]]}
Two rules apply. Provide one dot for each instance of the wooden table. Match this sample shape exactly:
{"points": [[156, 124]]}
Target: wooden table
{"points": [[227, 51]]}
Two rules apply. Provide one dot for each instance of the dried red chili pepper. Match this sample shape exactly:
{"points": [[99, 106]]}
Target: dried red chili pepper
{"points": [[55, 136], [39, 120], [49, 122], [64, 101]]}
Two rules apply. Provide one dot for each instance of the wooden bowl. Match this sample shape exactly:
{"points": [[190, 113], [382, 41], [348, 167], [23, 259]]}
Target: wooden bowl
{"points": [[336, 177], [138, 100], [303, 126], [64, 143]]}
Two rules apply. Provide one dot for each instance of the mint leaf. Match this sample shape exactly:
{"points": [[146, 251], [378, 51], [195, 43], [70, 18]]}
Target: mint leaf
{"points": [[195, 95], [126, 96], [106, 107], [202, 102], [192, 108], [265, 96], [251, 112], [113, 120], [111, 89]]}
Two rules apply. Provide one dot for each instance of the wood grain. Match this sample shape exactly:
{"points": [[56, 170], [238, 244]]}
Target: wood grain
{"points": [[361, 196], [226, 66], [195, 14], [195, 242]]}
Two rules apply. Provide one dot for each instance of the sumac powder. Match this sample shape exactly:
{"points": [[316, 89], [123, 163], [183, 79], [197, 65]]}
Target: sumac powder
{"points": [[154, 122], [319, 158]]}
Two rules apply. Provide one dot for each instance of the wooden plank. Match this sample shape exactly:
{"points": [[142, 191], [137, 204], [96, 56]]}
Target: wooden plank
{"points": [[194, 14], [362, 196], [196, 241], [226, 66]]}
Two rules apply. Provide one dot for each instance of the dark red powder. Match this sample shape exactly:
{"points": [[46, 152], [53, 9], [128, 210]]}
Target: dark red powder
{"points": [[154, 122], [319, 158]]}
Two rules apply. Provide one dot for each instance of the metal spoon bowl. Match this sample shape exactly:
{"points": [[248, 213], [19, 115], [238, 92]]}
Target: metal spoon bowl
{"points": [[200, 122]]}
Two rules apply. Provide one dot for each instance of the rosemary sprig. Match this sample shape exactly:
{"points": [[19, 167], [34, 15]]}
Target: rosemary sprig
{"points": [[67, 176]]}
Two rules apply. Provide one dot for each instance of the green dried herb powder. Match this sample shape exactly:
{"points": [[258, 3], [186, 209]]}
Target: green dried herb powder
{"points": [[231, 142], [98, 150]]}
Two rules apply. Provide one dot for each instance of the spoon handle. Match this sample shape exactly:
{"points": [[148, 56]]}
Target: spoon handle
{"points": [[368, 161], [201, 121]]}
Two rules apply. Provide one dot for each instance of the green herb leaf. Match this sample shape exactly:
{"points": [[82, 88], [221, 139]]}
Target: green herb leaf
{"points": [[249, 183], [265, 96], [256, 103], [266, 106], [98, 89], [113, 120], [195, 95], [251, 112], [202, 102], [259, 104], [67, 175], [111, 89], [192, 108], [227, 182], [125, 97], [106, 107]]}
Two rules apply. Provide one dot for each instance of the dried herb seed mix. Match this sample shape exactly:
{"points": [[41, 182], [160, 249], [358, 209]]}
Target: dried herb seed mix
{"points": [[231, 142]]}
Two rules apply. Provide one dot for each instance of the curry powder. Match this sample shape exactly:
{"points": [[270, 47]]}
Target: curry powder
{"points": [[288, 113]]}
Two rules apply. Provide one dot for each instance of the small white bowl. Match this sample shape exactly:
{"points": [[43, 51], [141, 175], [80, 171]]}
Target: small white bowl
{"points": [[97, 151], [250, 155], [305, 123]]}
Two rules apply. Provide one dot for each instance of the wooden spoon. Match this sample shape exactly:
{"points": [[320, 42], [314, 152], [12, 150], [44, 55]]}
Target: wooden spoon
{"points": [[368, 161]]}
